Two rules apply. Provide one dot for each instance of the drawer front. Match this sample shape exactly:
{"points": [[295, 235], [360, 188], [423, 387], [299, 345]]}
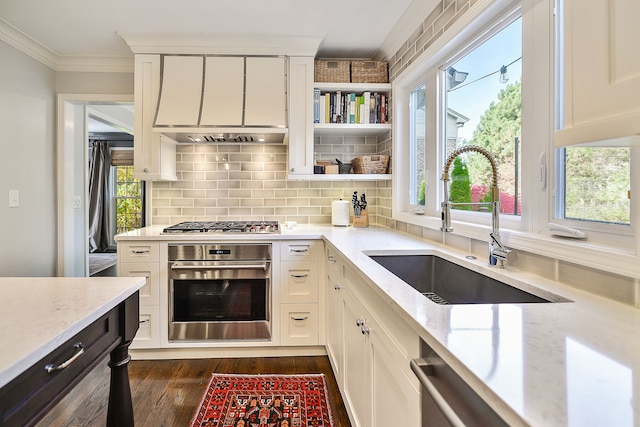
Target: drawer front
{"points": [[299, 281], [139, 252], [302, 249], [299, 324], [148, 335], [150, 292], [36, 391]]}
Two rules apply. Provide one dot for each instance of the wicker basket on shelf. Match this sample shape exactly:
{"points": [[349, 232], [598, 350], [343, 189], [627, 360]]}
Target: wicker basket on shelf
{"points": [[332, 71], [370, 164], [369, 72]]}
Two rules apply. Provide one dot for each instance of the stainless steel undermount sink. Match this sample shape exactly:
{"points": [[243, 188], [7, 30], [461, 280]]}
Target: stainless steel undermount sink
{"points": [[445, 282]]}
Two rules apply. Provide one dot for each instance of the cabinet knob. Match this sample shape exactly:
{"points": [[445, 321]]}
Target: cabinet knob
{"points": [[359, 322], [337, 286], [145, 170], [364, 329], [331, 258]]}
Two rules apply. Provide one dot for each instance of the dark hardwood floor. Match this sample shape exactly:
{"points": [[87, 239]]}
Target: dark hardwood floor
{"points": [[167, 392]]}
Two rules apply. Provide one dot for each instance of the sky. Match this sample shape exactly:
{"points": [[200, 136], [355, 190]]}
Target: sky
{"points": [[472, 97]]}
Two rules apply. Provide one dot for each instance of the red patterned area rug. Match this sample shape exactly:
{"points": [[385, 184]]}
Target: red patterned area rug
{"points": [[264, 401]]}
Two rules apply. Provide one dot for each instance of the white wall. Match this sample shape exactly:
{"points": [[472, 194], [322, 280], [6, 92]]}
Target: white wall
{"points": [[27, 164]]}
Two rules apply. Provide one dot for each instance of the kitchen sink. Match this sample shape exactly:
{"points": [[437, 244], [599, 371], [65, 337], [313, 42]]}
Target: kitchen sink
{"points": [[445, 282]]}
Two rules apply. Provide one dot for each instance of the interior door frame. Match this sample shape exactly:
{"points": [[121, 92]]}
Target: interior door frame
{"points": [[71, 148]]}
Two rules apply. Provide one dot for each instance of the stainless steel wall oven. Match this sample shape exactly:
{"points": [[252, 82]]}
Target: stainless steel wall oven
{"points": [[219, 292]]}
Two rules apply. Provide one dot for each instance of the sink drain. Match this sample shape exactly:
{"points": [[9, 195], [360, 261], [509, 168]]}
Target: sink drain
{"points": [[435, 298]]}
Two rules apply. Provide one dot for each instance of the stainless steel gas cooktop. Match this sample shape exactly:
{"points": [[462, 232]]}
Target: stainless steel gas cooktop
{"points": [[223, 227]]}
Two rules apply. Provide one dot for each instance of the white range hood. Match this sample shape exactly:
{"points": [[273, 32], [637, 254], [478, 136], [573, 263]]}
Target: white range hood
{"points": [[223, 98]]}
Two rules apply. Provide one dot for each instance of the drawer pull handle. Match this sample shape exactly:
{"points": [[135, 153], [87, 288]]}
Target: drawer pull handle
{"points": [[331, 258], [299, 276], [299, 251], [299, 319], [139, 251], [143, 321], [79, 351]]}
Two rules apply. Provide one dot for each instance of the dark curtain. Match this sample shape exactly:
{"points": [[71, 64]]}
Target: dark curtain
{"points": [[99, 167]]}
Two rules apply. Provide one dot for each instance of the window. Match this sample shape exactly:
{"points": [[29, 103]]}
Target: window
{"points": [[417, 145], [596, 185], [484, 108], [593, 188], [128, 200]]}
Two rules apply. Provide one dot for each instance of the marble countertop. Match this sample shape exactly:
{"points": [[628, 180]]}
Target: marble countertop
{"points": [[558, 364], [38, 314]]}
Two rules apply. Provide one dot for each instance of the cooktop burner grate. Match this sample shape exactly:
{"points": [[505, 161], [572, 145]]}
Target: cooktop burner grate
{"points": [[223, 227]]}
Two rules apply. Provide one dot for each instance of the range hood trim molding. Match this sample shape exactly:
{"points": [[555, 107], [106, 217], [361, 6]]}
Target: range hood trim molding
{"points": [[223, 44]]}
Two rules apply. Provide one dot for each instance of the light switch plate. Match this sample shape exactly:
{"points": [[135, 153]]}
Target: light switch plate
{"points": [[77, 202], [14, 198]]}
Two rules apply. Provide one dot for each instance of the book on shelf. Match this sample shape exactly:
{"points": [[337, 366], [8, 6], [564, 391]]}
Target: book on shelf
{"points": [[316, 106], [351, 108]]}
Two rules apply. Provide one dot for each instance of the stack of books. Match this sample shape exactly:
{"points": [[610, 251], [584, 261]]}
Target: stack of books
{"points": [[350, 108]]}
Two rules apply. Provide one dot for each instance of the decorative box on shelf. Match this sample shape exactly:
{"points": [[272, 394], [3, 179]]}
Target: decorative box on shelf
{"points": [[377, 164], [338, 71], [369, 72]]}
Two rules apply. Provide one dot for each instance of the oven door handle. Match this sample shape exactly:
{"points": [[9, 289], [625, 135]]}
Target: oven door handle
{"points": [[221, 267]]}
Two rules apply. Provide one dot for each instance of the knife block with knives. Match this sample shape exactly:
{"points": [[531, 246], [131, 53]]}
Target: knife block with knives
{"points": [[360, 211]]}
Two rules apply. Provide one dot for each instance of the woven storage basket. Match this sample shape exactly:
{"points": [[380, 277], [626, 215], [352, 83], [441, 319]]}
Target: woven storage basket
{"points": [[370, 164], [369, 72], [332, 71]]}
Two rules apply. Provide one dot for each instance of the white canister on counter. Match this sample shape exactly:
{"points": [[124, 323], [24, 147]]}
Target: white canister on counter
{"points": [[340, 213]]}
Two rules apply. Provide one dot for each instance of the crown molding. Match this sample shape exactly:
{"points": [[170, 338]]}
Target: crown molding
{"points": [[25, 44], [409, 23], [200, 43]]}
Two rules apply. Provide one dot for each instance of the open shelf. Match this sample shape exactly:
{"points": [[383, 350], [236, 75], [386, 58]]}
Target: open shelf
{"points": [[341, 177]]}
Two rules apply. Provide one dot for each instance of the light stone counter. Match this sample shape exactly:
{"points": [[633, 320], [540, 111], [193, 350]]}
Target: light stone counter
{"points": [[559, 364], [38, 314]]}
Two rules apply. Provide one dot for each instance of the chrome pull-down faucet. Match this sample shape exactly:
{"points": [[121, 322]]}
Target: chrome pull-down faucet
{"points": [[497, 252]]}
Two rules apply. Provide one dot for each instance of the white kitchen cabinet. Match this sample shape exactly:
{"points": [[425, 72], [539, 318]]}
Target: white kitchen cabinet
{"points": [[335, 326], [300, 302], [601, 73], [300, 116], [373, 345], [154, 155], [142, 259]]}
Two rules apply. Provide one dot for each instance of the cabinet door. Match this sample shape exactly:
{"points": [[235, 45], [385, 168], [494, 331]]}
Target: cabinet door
{"points": [[335, 326], [395, 391], [154, 156], [602, 71], [265, 102], [223, 91], [300, 115], [357, 391]]}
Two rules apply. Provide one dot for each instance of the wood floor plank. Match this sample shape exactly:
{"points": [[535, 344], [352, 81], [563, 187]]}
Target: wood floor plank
{"points": [[167, 392]]}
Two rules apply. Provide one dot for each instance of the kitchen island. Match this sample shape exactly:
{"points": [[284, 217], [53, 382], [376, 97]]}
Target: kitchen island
{"points": [[571, 362], [56, 330]]}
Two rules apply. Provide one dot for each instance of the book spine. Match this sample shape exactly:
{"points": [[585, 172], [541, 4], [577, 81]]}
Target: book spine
{"points": [[366, 101], [322, 107], [316, 106], [352, 108]]}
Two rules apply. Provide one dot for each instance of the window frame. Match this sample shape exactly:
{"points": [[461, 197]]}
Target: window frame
{"points": [[604, 249]]}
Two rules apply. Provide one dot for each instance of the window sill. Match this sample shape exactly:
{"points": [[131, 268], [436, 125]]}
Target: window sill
{"points": [[581, 252]]}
